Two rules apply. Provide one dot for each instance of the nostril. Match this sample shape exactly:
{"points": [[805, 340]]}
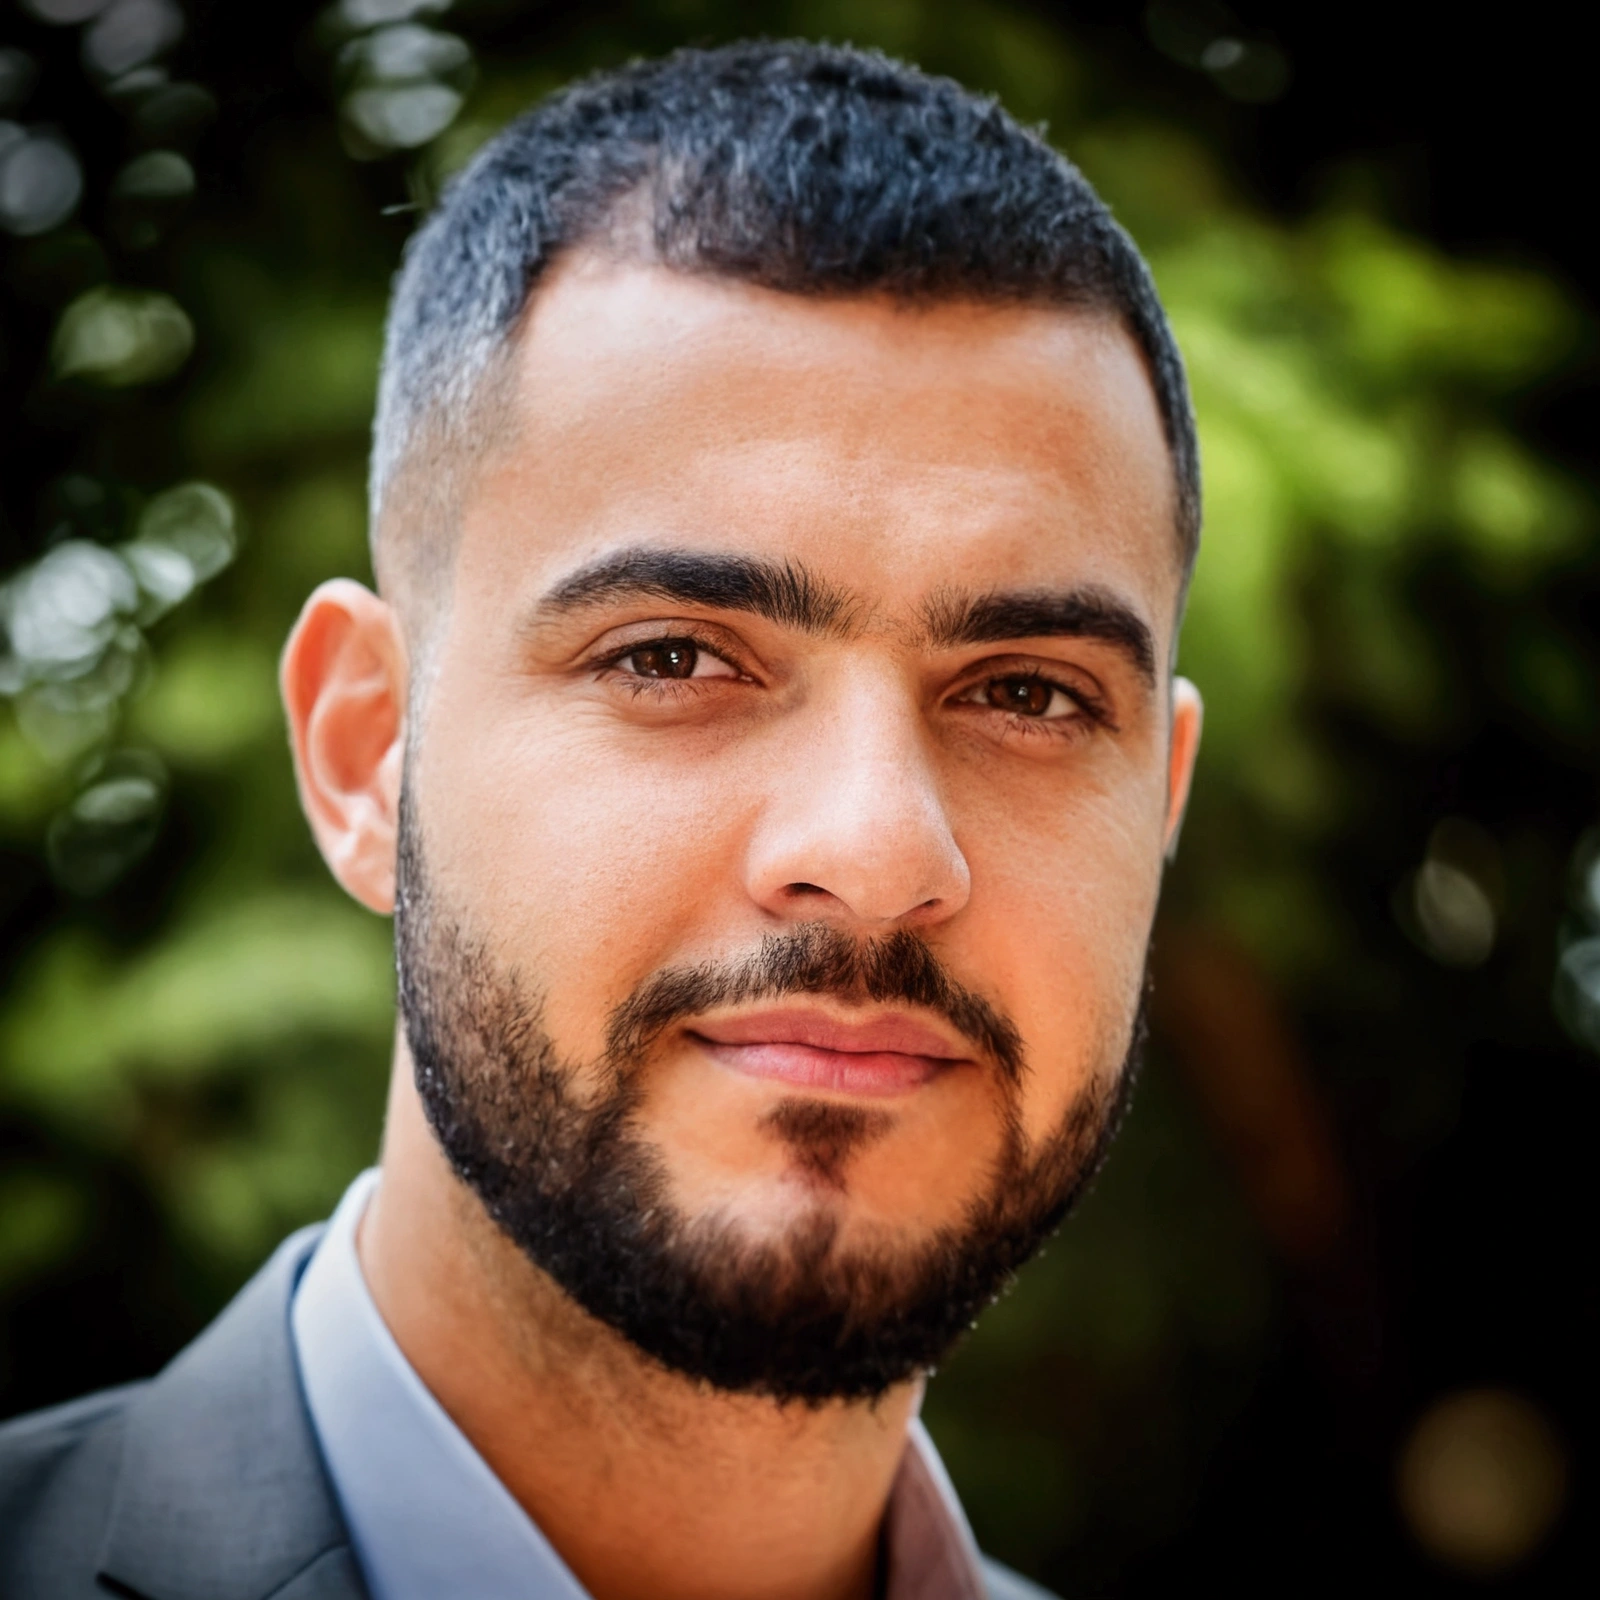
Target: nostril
{"points": [[805, 888]]}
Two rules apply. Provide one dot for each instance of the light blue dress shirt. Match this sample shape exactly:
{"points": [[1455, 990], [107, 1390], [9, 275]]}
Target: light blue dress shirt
{"points": [[427, 1517]]}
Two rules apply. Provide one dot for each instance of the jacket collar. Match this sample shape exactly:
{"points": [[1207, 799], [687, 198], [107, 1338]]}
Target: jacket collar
{"points": [[221, 1493]]}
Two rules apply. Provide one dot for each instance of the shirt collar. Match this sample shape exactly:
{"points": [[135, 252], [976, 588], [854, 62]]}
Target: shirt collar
{"points": [[426, 1514]]}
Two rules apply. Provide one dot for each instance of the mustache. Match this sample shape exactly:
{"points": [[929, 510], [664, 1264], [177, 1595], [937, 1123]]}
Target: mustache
{"points": [[816, 959]]}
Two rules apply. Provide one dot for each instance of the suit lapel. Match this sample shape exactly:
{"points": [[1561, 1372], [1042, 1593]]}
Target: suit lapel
{"points": [[221, 1493]]}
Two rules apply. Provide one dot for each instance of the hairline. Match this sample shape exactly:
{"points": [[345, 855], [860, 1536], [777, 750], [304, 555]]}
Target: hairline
{"points": [[485, 422]]}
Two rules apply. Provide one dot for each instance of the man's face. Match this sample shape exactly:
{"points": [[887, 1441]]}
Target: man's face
{"points": [[796, 754]]}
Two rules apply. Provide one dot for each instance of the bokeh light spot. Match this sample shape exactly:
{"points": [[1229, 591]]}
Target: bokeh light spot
{"points": [[120, 337], [156, 175], [130, 33], [112, 823], [1450, 904], [374, 13], [40, 181], [1481, 1480], [1454, 913], [185, 536], [61, 613], [173, 113], [405, 117], [406, 51]]}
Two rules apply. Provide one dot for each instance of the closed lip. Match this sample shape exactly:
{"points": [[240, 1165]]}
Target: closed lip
{"points": [[812, 1050], [889, 1034]]}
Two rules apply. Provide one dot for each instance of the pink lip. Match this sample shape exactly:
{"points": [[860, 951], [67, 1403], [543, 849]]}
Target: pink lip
{"points": [[812, 1050]]}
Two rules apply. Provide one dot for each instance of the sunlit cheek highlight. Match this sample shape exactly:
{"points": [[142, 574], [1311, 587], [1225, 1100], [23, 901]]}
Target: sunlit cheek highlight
{"points": [[1058, 925], [594, 866]]}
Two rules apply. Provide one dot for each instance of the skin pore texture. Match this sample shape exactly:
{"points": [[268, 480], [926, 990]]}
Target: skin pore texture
{"points": [[767, 614]]}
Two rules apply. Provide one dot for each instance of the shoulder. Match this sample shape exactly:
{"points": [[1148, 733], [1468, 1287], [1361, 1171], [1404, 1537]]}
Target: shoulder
{"points": [[38, 1449], [57, 1473], [1004, 1584]]}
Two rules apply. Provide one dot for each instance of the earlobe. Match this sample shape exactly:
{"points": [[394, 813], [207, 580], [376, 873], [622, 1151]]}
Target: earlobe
{"points": [[1187, 716], [343, 677]]}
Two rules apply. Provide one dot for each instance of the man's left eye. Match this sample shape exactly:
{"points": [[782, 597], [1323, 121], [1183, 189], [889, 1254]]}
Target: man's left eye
{"points": [[1026, 695]]}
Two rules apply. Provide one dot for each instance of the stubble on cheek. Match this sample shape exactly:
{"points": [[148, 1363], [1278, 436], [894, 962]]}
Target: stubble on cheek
{"points": [[821, 1137]]}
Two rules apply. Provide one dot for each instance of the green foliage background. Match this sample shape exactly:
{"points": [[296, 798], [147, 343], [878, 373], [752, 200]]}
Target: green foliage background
{"points": [[1387, 623]]}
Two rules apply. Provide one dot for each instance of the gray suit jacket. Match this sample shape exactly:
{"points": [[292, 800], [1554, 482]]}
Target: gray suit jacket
{"points": [[204, 1484]]}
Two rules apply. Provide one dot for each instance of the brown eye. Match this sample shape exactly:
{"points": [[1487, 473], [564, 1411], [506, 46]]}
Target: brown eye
{"points": [[1024, 697], [666, 658]]}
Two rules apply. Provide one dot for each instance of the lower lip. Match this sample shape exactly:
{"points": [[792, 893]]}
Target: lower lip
{"points": [[880, 1072]]}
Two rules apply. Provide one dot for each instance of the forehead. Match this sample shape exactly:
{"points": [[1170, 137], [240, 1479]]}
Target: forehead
{"points": [[898, 449]]}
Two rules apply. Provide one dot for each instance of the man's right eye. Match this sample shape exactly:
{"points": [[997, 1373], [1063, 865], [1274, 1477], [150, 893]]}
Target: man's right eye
{"points": [[672, 659], [665, 658]]}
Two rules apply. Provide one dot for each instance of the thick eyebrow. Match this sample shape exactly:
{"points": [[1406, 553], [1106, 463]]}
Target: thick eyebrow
{"points": [[1088, 613], [782, 592]]}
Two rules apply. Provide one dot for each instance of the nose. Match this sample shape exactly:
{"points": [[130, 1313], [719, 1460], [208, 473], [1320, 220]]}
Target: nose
{"points": [[855, 822]]}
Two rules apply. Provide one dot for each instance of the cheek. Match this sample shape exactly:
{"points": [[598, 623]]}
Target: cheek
{"points": [[588, 871], [1064, 894]]}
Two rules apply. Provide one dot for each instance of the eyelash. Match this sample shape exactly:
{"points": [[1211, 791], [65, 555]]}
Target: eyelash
{"points": [[1094, 711], [676, 688]]}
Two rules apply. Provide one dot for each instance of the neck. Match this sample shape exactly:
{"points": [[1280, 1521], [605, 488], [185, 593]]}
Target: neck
{"points": [[648, 1484]]}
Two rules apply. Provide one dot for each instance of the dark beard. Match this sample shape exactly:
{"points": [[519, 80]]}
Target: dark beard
{"points": [[586, 1198]]}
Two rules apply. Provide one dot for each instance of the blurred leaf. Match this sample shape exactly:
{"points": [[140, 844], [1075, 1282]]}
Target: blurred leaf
{"points": [[214, 697], [309, 372], [122, 337], [43, 1218], [107, 826], [226, 989]]}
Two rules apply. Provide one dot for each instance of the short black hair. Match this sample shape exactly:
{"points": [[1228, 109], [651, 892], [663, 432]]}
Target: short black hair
{"points": [[806, 168]]}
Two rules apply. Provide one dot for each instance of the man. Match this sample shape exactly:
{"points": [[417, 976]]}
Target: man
{"points": [[784, 493]]}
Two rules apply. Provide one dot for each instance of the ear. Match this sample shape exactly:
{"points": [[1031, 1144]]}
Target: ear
{"points": [[1187, 715], [343, 676]]}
